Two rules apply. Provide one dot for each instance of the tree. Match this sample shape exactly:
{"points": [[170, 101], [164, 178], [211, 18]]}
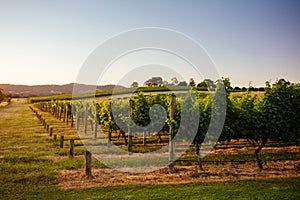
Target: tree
{"points": [[207, 83], [251, 88], [261, 89], [174, 81], [182, 83], [227, 83], [192, 82], [134, 84], [2, 95], [154, 81], [202, 84], [210, 83], [165, 83], [237, 88]]}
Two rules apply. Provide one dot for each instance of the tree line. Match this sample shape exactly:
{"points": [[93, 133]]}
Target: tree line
{"points": [[204, 84]]}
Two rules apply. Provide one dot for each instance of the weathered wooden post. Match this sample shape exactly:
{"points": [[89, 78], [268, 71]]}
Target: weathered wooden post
{"points": [[77, 121], [66, 115], [92, 125], [72, 147], [110, 121], [97, 120], [130, 128], [88, 164], [54, 137], [145, 137], [64, 112], [96, 130], [47, 127], [60, 111], [62, 138], [57, 113], [86, 118], [50, 131], [171, 134], [72, 120], [73, 113]]}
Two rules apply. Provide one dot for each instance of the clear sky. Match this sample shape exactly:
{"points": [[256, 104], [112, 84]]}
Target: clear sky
{"points": [[46, 42]]}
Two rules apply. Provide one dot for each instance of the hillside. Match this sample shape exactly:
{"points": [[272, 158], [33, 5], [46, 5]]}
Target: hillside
{"points": [[44, 90]]}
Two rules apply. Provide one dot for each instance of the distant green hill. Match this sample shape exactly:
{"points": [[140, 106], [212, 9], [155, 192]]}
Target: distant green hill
{"points": [[46, 90]]}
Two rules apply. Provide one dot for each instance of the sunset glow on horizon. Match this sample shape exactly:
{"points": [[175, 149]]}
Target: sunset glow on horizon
{"points": [[47, 42]]}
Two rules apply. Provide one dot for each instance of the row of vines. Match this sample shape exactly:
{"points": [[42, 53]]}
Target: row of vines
{"points": [[273, 115]]}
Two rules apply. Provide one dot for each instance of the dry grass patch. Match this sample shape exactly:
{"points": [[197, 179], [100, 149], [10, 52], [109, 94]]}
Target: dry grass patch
{"points": [[184, 174]]}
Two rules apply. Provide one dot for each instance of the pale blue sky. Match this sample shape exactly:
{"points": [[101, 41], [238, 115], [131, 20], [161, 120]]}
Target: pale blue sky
{"points": [[46, 42]]}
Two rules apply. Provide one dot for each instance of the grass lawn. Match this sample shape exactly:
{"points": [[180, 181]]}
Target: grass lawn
{"points": [[27, 172], [247, 189]]}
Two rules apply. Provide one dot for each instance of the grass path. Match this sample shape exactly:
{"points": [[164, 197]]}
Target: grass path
{"points": [[9, 111], [27, 172], [22, 146]]}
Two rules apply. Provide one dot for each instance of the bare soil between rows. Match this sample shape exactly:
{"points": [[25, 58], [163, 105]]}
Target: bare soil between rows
{"points": [[184, 174]]}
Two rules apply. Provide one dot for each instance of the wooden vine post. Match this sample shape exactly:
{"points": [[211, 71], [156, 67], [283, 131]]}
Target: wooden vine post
{"points": [[64, 113], [67, 110], [77, 120], [60, 111], [71, 147], [57, 112], [96, 121], [72, 115], [86, 118], [88, 164], [110, 124], [171, 133], [129, 127], [96, 129], [50, 131], [62, 138], [145, 137]]}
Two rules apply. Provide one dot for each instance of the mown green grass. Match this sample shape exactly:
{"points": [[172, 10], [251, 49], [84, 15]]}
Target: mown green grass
{"points": [[29, 169], [287, 188], [24, 151]]}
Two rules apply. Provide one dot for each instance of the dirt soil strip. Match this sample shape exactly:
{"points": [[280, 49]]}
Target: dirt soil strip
{"points": [[222, 172], [252, 149]]}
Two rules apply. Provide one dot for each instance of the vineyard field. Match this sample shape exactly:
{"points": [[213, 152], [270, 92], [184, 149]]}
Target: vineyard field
{"points": [[45, 145]]}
